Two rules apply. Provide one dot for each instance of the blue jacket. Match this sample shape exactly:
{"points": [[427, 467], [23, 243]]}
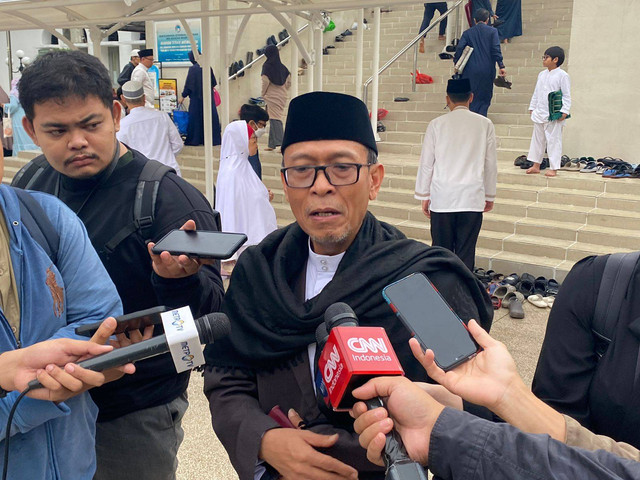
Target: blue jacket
{"points": [[52, 441]]}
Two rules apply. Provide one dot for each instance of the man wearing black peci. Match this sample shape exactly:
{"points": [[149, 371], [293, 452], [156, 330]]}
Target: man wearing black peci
{"points": [[335, 252], [70, 114]]}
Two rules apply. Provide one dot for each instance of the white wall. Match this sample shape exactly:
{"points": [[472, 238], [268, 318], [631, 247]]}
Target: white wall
{"points": [[604, 65], [26, 40]]}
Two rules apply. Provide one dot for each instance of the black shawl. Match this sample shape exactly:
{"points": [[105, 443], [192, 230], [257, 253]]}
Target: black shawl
{"points": [[271, 327], [273, 67]]}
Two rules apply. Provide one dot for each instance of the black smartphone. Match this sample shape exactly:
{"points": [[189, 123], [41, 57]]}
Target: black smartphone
{"points": [[431, 320], [131, 321], [200, 243]]}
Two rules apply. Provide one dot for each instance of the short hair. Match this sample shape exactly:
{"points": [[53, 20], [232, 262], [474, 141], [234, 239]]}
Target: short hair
{"points": [[135, 102], [553, 52], [459, 97], [253, 112], [481, 15], [61, 74]]}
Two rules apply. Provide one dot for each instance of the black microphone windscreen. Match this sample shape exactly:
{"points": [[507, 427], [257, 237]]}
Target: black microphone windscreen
{"points": [[340, 315], [321, 335], [212, 327]]}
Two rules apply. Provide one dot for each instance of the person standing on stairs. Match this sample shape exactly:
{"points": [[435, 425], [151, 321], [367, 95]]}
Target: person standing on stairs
{"points": [[429, 11], [481, 67], [458, 173], [276, 82], [547, 126]]}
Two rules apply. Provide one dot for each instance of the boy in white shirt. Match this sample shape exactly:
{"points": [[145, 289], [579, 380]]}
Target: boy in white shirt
{"points": [[547, 132]]}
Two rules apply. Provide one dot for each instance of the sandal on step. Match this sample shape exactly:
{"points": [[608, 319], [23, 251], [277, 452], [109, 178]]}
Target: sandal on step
{"points": [[537, 301], [515, 309]]}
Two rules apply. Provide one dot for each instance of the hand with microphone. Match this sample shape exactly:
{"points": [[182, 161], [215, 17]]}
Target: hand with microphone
{"points": [[352, 356], [209, 328]]}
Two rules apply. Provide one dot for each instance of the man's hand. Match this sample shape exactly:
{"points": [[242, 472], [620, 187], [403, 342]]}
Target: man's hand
{"points": [[503, 72], [563, 117], [293, 454], [413, 411], [488, 206], [176, 266], [483, 380], [43, 361], [425, 208]]}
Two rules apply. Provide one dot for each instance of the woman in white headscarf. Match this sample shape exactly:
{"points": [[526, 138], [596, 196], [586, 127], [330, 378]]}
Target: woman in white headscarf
{"points": [[241, 197]]}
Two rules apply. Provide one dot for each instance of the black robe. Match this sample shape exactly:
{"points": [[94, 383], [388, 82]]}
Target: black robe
{"points": [[193, 90], [264, 361]]}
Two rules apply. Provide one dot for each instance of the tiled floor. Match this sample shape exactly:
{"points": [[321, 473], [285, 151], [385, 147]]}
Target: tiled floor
{"points": [[202, 457]]}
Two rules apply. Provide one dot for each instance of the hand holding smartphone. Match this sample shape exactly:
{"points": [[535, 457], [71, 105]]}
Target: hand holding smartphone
{"points": [[431, 320], [200, 244]]}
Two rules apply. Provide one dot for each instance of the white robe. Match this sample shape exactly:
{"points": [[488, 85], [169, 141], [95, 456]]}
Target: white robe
{"points": [[241, 197], [141, 74]]}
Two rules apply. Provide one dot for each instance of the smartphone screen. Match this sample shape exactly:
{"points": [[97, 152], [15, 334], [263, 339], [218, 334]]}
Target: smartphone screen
{"points": [[431, 320], [131, 321], [200, 243]]}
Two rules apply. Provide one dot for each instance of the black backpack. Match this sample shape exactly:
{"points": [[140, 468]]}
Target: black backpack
{"points": [[143, 208], [613, 289]]}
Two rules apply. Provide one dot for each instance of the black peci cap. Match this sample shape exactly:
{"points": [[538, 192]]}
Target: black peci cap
{"points": [[328, 116], [460, 86]]}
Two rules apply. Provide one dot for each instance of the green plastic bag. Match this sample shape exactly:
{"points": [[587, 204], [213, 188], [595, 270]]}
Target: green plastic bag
{"points": [[330, 27]]}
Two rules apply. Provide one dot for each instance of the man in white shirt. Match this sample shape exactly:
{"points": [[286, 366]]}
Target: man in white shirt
{"points": [[147, 130], [141, 74], [458, 173]]}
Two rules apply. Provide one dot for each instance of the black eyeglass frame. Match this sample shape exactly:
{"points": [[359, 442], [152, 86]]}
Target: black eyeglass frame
{"points": [[324, 170]]}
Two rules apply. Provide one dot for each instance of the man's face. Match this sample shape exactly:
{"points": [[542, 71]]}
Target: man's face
{"points": [[135, 60], [549, 62], [147, 61], [77, 135], [331, 215]]}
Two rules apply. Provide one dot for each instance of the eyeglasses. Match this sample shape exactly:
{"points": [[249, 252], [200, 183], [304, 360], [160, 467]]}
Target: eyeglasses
{"points": [[337, 174], [544, 57]]}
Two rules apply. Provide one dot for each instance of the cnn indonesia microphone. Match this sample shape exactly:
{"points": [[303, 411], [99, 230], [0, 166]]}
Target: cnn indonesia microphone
{"points": [[351, 356], [183, 337]]}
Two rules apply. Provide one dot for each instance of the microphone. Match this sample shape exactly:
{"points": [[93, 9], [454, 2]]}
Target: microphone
{"points": [[210, 328], [351, 356]]}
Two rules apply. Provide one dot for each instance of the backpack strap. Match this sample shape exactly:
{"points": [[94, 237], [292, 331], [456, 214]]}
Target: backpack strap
{"points": [[28, 174], [144, 205], [613, 289], [38, 224]]}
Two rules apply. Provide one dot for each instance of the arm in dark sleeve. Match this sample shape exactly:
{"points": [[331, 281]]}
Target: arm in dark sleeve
{"points": [[462, 446], [461, 44], [214, 82], [496, 51], [237, 418], [188, 84], [202, 292], [567, 360], [125, 75]]}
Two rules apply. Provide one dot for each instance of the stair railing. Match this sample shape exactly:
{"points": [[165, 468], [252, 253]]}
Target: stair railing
{"points": [[279, 44], [414, 43]]}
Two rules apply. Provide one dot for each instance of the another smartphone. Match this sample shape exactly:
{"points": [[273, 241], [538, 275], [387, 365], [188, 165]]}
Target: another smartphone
{"points": [[431, 320], [200, 243], [131, 321]]}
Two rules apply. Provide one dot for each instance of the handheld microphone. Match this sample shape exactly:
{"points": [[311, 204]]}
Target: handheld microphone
{"points": [[343, 370], [210, 328]]}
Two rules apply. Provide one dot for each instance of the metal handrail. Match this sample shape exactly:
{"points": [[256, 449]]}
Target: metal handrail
{"points": [[412, 43], [250, 64]]}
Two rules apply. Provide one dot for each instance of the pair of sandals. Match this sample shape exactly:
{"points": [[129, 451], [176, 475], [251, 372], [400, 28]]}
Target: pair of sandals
{"points": [[506, 296], [622, 170], [487, 276], [540, 301]]}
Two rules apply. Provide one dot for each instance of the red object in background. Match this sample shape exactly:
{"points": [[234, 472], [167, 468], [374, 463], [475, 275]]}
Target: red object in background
{"points": [[468, 9], [382, 112], [423, 78]]}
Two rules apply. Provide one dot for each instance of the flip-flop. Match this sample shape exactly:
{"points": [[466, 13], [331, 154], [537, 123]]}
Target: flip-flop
{"points": [[496, 302], [553, 287], [503, 290], [515, 309], [512, 296], [512, 279], [549, 301], [540, 286], [537, 301]]}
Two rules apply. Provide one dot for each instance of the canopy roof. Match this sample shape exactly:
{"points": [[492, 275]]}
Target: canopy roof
{"points": [[113, 14]]}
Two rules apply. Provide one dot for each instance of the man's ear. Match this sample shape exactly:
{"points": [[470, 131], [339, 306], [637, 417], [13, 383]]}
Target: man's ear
{"points": [[116, 111], [377, 175], [28, 127]]}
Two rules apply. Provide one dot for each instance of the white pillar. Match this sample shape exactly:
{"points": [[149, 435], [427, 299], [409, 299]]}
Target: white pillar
{"points": [[224, 54], [376, 77], [206, 101], [359, 52], [96, 38], [294, 58], [317, 77], [311, 65]]}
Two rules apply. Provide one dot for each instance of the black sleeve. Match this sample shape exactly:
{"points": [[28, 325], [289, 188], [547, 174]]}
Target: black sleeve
{"points": [[125, 75], [188, 84], [214, 82], [178, 202], [567, 360]]}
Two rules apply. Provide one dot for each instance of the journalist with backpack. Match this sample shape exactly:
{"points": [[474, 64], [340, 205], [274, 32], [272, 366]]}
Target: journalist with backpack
{"points": [[70, 114]]}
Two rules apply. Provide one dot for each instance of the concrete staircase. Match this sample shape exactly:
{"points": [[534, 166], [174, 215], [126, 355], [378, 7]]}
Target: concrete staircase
{"points": [[539, 225]]}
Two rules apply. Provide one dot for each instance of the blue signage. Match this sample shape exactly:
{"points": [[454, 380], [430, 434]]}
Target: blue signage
{"points": [[173, 42]]}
